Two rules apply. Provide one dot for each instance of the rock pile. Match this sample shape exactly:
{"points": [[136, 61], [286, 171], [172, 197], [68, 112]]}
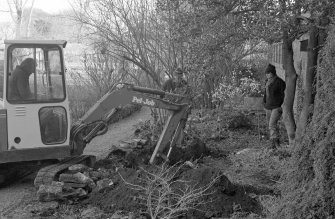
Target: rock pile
{"points": [[78, 181], [75, 183]]}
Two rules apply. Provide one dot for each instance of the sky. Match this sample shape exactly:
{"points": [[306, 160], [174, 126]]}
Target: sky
{"points": [[50, 6]]}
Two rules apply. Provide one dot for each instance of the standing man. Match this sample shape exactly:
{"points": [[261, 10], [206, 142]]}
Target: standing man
{"points": [[177, 85], [177, 82], [273, 99], [19, 80]]}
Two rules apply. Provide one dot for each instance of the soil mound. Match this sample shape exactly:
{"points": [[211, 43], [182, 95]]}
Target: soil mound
{"points": [[223, 198], [204, 192], [181, 189]]}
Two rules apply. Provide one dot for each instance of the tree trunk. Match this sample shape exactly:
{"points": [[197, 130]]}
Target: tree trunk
{"points": [[308, 85], [290, 80], [29, 18], [18, 23]]}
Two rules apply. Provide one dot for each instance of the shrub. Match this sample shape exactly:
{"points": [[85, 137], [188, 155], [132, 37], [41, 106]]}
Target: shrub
{"points": [[250, 87], [166, 196], [227, 93]]}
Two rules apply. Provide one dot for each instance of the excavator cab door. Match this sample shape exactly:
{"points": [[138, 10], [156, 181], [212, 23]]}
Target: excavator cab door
{"points": [[36, 102]]}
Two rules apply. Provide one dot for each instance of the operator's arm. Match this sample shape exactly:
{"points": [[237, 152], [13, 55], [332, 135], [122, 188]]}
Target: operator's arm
{"points": [[23, 87]]}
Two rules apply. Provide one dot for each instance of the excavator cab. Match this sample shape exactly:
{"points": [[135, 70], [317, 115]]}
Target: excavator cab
{"points": [[34, 108]]}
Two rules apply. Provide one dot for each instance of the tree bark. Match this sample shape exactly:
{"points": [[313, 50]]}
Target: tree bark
{"points": [[290, 80], [29, 18], [308, 101], [18, 23]]}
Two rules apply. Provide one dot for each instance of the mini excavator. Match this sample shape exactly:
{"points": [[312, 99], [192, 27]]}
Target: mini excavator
{"points": [[38, 128]]}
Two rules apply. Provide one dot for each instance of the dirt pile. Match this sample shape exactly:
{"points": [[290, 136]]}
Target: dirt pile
{"points": [[186, 187], [202, 192]]}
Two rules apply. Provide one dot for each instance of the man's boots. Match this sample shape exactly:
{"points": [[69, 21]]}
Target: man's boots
{"points": [[275, 143]]}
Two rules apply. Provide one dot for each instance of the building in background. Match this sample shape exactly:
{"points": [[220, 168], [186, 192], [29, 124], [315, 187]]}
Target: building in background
{"points": [[275, 57]]}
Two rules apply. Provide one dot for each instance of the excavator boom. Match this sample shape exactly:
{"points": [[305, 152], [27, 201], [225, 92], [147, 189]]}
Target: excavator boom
{"points": [[125, 94]]}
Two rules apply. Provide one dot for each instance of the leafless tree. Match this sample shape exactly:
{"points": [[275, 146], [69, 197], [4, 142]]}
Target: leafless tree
{"points": [[102, 72], [133, 31], [7, 31], [16, 9]]}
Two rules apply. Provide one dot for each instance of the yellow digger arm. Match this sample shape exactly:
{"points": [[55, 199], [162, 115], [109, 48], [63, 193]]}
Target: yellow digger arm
{"points": [[103, 110]]}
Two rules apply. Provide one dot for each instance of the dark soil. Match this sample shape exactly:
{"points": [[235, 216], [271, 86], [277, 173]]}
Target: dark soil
{"points": [[220, 200], [133, 177]]}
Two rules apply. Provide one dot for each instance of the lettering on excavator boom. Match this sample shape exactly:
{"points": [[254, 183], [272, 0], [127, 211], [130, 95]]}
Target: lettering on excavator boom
{"points": [[141, 101]]}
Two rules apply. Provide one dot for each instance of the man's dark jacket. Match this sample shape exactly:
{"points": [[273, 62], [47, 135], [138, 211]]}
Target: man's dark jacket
{"points": [[19, 84], [171, 85], [276, 94]]}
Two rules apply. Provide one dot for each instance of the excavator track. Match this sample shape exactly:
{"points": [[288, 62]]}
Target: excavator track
{"points": [[49, 173]]}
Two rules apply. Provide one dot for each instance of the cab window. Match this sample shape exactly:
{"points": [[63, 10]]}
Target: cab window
{"points": [[53, 124], [35, 74]]}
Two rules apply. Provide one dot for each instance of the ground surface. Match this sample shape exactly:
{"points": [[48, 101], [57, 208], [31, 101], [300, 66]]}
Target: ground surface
{"points": [[238, 153], [19, 199], [238, 158]]}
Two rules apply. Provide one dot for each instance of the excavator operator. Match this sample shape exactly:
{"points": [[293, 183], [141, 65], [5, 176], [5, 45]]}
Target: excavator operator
{"points": [[19, 80]]}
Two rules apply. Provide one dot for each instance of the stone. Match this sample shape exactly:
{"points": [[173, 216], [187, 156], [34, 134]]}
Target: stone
{"points": [[86, 173], [78, 168], [47, 193], [125, 145], [74, 185], [77, 193], [140, 141], [57, 183], [91, 213], [67, 177], [101, 184], [77, 178], [81, 192], [74, 178], [91, 185], [96, 175]]}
